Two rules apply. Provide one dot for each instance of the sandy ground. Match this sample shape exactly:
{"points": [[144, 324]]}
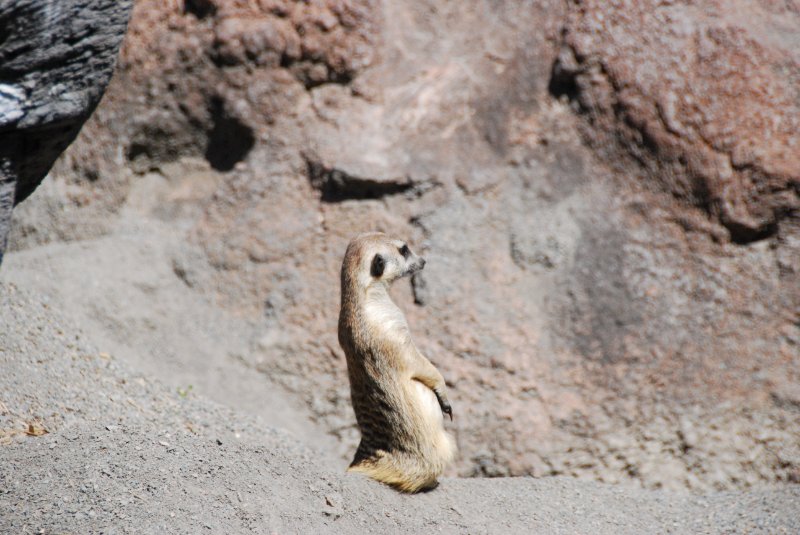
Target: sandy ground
{"points": [[100, 432], [123, 291]]}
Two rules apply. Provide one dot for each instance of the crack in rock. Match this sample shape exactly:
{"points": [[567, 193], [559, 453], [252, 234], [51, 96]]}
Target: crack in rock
{"points": [[337, 184]]}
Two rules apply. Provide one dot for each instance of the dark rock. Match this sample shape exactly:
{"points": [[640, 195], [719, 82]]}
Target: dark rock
{"points": [[56, 57]]}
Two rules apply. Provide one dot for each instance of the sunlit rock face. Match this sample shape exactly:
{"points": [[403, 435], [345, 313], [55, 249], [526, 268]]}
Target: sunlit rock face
{"points": [[606, 195]]}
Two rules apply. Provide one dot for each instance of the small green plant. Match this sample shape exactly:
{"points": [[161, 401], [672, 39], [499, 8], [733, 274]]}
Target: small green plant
{"points": [[183, 392]]}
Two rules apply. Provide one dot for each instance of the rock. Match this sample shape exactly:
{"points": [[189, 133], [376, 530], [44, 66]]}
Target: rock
{"points": [[612, 278], [693, 94], [787, 395], [56, 58]]}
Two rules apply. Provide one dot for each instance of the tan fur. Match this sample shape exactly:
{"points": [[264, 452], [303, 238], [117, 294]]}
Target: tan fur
{"points": [[397, 394]]}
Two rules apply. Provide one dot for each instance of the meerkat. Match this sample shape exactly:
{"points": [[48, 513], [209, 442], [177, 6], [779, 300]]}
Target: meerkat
{"points": [[398, 395]]}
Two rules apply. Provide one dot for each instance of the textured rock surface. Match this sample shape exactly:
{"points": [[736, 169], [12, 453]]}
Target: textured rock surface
{"points": [[703, 96], [56, 58], [605, 304]]}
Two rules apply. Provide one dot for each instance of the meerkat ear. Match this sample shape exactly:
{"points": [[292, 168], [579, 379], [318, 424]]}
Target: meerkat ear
{"points": [[378, 264]]}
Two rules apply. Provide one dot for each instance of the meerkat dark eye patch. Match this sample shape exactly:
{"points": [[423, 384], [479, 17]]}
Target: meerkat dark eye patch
{"points": [[377, 267], [405, 251]]}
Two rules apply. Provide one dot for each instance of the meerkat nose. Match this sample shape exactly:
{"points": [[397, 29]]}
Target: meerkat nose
{"points": [[421, 262]]}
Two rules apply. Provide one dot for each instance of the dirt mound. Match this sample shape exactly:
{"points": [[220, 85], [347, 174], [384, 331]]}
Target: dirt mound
{"points": [[89, 446]]}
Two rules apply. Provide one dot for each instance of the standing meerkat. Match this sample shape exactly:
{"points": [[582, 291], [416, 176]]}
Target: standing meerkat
{"points": [[399, 397]]}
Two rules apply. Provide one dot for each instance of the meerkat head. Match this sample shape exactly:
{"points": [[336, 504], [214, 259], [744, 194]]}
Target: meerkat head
{"points": [[376, 257]]}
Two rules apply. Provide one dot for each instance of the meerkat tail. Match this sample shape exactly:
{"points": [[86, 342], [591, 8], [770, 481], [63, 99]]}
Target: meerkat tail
{"points": [[400, 475]]}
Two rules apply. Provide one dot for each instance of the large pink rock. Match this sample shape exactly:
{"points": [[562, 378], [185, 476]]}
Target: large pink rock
{"points": [[704, 96]]}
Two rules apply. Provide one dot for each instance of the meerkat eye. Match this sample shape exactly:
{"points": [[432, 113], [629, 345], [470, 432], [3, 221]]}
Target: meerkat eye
{"points": [[405, 251], [378, 264]]}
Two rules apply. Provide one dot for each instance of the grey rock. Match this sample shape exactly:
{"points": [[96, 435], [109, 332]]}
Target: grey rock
{"points": [[56, 58]]}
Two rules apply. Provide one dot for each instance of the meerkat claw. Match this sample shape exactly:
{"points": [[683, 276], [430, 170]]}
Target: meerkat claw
{"points": [[448, 411], [445, 405]]}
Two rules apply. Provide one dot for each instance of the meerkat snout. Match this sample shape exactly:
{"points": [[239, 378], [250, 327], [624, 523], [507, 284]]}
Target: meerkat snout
{"points": [[398, 395]]}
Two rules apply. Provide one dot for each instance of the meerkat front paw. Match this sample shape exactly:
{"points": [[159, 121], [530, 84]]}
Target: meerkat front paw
{"points": [[444, 404]]}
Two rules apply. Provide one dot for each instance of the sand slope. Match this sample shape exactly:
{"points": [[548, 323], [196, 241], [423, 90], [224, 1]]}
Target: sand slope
{"points": [[123, 453]]}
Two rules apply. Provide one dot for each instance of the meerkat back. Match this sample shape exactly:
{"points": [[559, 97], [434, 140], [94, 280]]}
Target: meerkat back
{"points": [[398, 395]]}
